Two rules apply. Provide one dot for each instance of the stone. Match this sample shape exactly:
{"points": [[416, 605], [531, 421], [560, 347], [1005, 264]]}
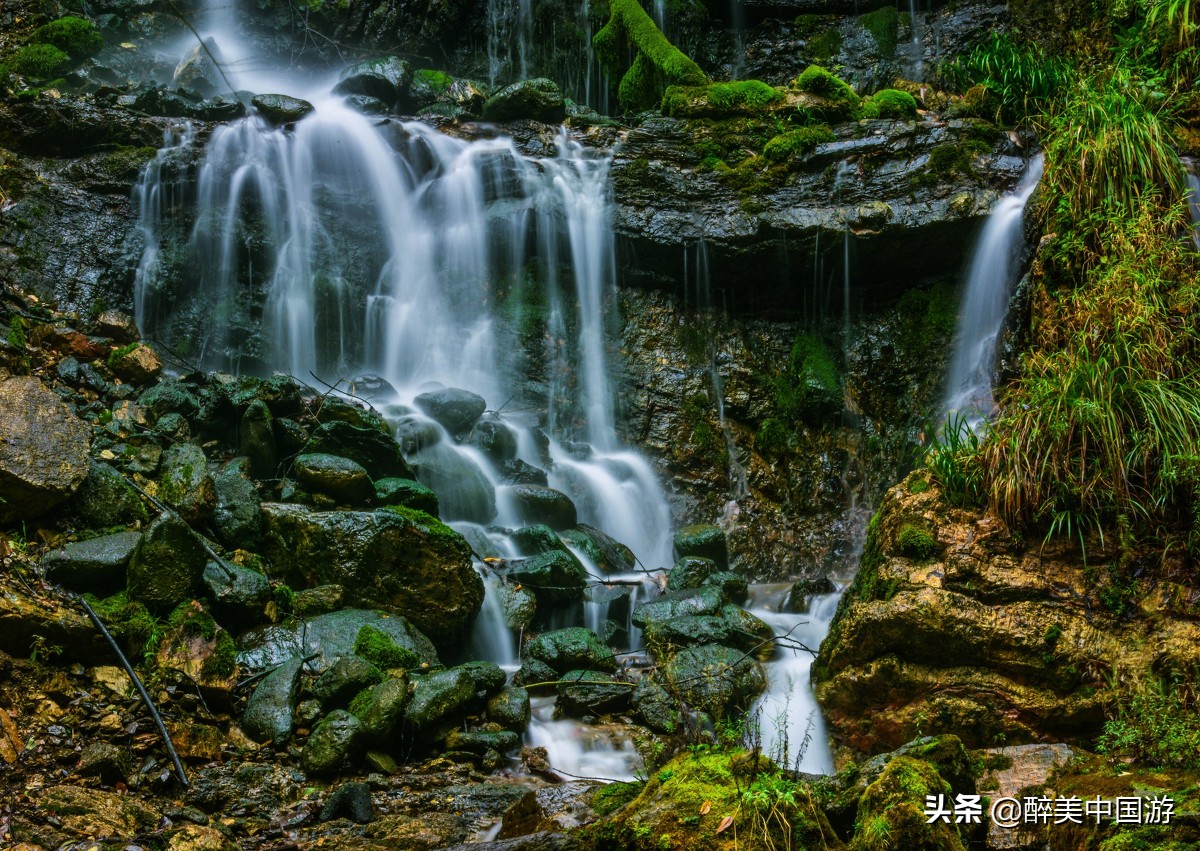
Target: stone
{"points": [[173, 428], [197, 71], [703, 540], [105, 500], [186, 484], [406, 492], [269, 712], [539, 99], [239, 600], [707, 600], [351, 801], [493, 437], [415, 433], [200, 837], [510, 708], [609, 554], [690, 572], [139, 365], [714, 679], [387, 78], [537, 504], [898, 799], [318, 601], [256, 439], [193, 644], [330, 744], [734, 586], [95, 566], [340, 478], [455, 409], [280, 393], [536, 539], [170, 396], [803, 590], [664, 637], [399, 559], [118, 326], [517, 472], [488, 677], [439, 699], [281, 109], [110, 763], [342, 680], [464, 492], [381, 708], [44, 453], [1030, 769], [554, 577], [237, 517], [518, 606], [654, 704], [567, 649], [377, 452], [168, 565], [582, 693], [367, 105], [479, 742], [97, 814]]}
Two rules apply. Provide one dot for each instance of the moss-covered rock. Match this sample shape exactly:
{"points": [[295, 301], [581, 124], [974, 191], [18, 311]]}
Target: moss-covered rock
{"points": [[553, 577], [407, 493], [168, 565], [891, 810], [380, 649], [331, 743], [105, 500], [539, 100], [569, 649], [537, 504], [375, 450], [510, 709], [714, 679], [381, 708], [186, 483], [345, 678], [721, 100], [584, 693], [439, 701], [345, 480], [692, 601], [705, 541]]}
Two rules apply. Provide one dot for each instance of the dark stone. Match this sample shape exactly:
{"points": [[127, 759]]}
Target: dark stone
{"points": [[510, 708], [79, 374], [256, 440], [609, 554], [568, 649], [464, 492], [714, 679], [342, 680], [539, 100], [169, 396], [553, 577], [488, 677], [367, 105], [735, 588], [480, 742], [703, 540], [269, 712], [406, 492], [494, 438], [582, 693], [237, 519], [109, 762], [381, 707], [690, 572], [281, 109], [95, 566], [240, 599], [693, 601], [167, 567], [330, 743], [351, 801], [186, 483], [805, 589], [318, 601], [340, 478], [517, 472], [536, 540], [658, 710], [377, 452], [455, 409], [387, 78], [537, 504], [440, 699]]}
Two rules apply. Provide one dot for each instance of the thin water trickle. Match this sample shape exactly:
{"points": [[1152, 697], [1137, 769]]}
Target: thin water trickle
{"points": [[1193, 198], [993, 273]]}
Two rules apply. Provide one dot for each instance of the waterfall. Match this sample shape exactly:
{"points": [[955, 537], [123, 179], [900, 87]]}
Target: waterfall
{"points": [[993, 272], [1193, 198]]}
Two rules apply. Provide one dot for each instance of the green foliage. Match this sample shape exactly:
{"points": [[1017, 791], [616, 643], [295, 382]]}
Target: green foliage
{"points": [[954, 462], [818, 81], [798, 143], [811, 389], [222, 662], [116, 355], [40, 61], [76, 37], [1022, 77], [1159, 724], [438, 81], [916, 542], [378, 648], [613, 796], [193, 621], [658, 63], [771, 440], [16, 333], [883, 25], [719, 100]]}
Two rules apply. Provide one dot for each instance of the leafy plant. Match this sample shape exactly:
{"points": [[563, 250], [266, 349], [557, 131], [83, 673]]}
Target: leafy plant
{"points": [[1023, 77], [1158, 725], [953, 461]]}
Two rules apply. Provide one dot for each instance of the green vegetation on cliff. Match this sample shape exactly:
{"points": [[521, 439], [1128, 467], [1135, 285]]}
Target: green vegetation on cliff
{"points": [[658, 63]]}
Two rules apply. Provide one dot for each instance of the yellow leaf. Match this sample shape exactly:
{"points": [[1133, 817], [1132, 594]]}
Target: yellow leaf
{"points": [[705, 807], [724, 825]]}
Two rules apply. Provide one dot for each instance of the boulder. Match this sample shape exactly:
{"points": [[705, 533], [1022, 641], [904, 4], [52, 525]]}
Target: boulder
{"points": [[387, 78], [167, 567], [690, 572], [455, 409], [479, 742], [399, 559], [239, 594], [510, 709], [237, 518], [703, 540], [138, 365], [494, 438], [554, 577], [95, 566], [342, 680], [170, 396], [539, 99], [340, 478], [439, 700], [186, 484], [381, 707], [655, 706], [537, 504], [567, 649], [350, 801], [464, 492], [281, 109], [408, 493], [44, 452], [582, 693], [608, 554], [714, 679], [270, 711], [256, 439], [197, 72], [488, 677], [377, 452], [692, 601]]}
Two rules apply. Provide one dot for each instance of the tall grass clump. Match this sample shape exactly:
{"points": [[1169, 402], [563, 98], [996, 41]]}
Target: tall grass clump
{"points": [[1022, 77]]}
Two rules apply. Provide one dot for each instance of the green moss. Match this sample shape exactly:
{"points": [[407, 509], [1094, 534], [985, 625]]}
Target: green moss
{"points": [[192, 620], [612, 797], [883, 25], [130, 622], [116, 355], [797, 143], [378, 648], [893, 103], [40, 61], [720, 100], [891, 810], [438, 81], [915, 542], [818, 386], [658, 63], [223, 661], [428, 523], [360, 703], [825, 45], [918, 485], [76, 37], [819, 81], [16, 333], [956, 159], [771, 440]]}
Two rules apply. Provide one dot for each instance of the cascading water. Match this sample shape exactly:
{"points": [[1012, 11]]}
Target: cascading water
{"points": [[1193, 198], [993, 273]]}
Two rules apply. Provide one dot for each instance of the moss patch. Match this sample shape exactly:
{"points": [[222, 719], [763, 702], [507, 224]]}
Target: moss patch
{"points": [[76, 37], [821, 82], [915, 542], [40, 61], [378, 648], [797, 143], [883, 25], [720, 100], [657, 64]]}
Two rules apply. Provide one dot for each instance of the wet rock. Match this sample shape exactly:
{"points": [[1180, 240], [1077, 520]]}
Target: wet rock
{"points": [[464, 492], [330, 636], [693, 601], [705, 541], [567, 649], [168, 565], [381, 708], [406, 492], [197, 71], [342, 680], [898, 799], [415, 433], [118, 326], [173, 428], [517, 472], [26, 622], [537, 504], [199, 837], [240, 599], [79, 374], [318, 601], [170, 396], [609, 554], [582, 693], [237, 518], [467, 95], [540, 841], [110, 763], [663, 637], [341, 478], [138, 365], [401, 559], [488, 677], [377, 452], [714, 679], [330, 744], [657, 709], [256, 439], [455, 409], [952, 761], [44, 453], [690, 572], [367, 105], [510, 709], [439, 699], [518, 605], [536, 539], [494, 438], [193, 644], [554, 577], [186, 483], [748, 631], [280, 393], [803, 590], [387, 78], [1029, 769], [351, 801], [281, 109], [539, 100], [95, 566], [97, 814], [269, 712], [480, 742], [735, 587]]}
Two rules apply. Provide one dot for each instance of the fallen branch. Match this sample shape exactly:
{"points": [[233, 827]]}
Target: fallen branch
{"points": [[162, 506]]}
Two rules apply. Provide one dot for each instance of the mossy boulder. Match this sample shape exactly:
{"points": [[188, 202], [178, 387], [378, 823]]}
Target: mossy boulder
{"points": [[75, 36], [479, 742], [707, 600], [655, 706], [893, 808], [705, 541], [381, 708], [439, 700], [345, 480], [186, 483], [721, 100], [240, 595], [377, 452], [105, 500], [95, 566], [398, 558], [380, 649], [341, 681], [510, 708], [331, 743], [407, 493], [538, 100], [455, 409], [388, 78], [553, 577], [582, 693], [256, 439], [281, 109], [690, 572], [488, 677], [537, 504], [608, 554], [715, 679], [270, 712], [237, 517], [194, 644], [494, 438], [567, 649], [167, 566]]}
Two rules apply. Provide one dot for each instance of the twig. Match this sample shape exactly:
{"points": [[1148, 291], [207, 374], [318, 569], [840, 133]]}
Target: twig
{"points": [[334, 388], [162, 506], [261, 674], [220, 70], [141, 689]]}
